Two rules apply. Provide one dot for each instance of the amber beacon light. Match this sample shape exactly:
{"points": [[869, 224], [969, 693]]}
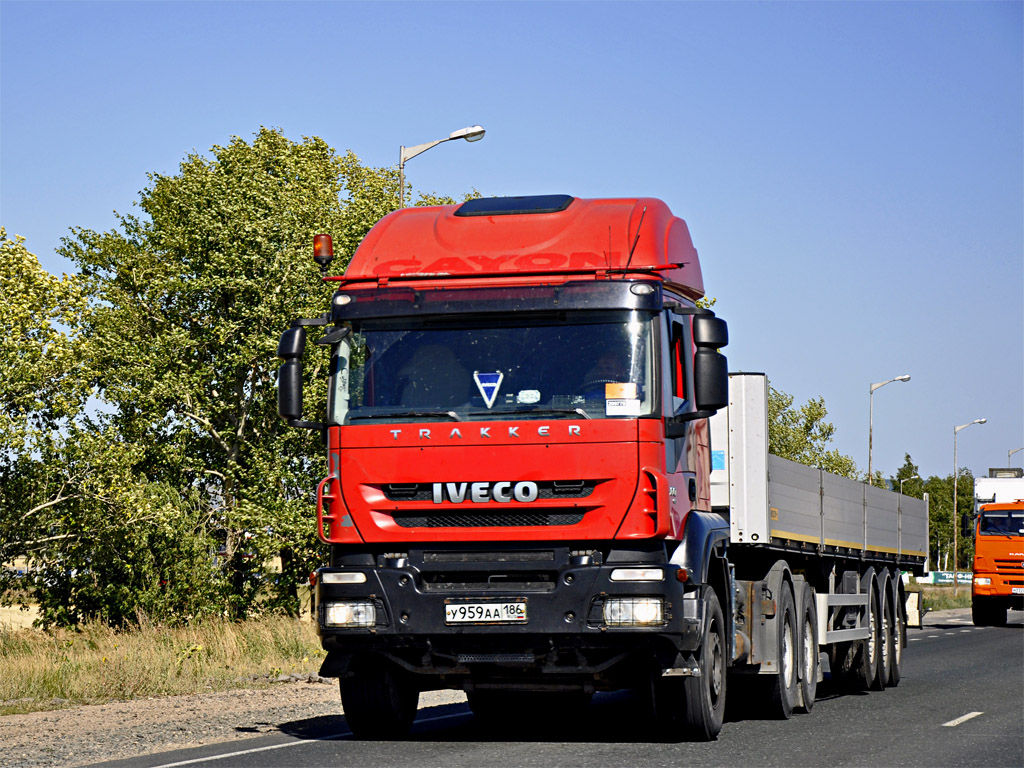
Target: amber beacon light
{"points": [[323, 251]]}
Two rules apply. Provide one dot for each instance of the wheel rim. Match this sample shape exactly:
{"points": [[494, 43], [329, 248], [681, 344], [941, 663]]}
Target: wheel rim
{"points": [[717, 660], [810, 651], [886, 630], [872, 629], [787, 654]]}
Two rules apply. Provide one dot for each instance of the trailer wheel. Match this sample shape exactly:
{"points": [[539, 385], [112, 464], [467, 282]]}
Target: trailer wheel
{"points": [[378, 700], [899, 636], [885, 633], [784, 682], [808, 649], [865, 665]]}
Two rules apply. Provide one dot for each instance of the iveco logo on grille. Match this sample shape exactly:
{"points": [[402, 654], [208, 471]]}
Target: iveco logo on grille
{"points": [[480, 493]]}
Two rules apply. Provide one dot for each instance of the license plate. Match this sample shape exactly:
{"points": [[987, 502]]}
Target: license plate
{"points": [[485, 613], [1017, 590]]}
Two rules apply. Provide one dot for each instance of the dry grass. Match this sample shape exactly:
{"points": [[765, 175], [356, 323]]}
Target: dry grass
{"points": [[940, 597], [96, 664]]}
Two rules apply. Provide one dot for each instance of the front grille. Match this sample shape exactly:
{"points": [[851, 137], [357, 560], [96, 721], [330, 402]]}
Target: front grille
{"points": [[1010, 566], [548, 489], [505, 519]]}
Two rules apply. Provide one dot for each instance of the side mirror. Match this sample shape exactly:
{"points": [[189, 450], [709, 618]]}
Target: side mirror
{"points": [[711, 380], [289, 376], [967, 525], [710, 367]]}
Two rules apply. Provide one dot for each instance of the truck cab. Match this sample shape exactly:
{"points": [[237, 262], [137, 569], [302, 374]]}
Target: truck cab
{"points": [[517, 444], [998, 527]]}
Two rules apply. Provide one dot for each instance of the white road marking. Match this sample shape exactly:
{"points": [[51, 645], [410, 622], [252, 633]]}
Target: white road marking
{"points": [[932, 635], [295, 743], [914, 639], [962, 719], [965, 630]]}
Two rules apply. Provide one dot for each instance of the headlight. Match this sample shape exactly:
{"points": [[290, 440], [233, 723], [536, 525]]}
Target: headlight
{"points": [[637, 574], [350, 614], [982, 580], [633, 611], [345, 577]]}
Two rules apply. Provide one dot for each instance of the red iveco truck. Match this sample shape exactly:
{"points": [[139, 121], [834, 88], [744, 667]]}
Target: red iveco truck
{"points": [[527, 497]]}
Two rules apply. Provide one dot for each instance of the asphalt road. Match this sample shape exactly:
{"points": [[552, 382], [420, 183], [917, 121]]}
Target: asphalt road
{"points": [[960, 703]]}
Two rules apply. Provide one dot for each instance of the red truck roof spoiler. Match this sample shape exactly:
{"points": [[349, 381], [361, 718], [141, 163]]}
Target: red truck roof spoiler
{"points": [[545, 236]]}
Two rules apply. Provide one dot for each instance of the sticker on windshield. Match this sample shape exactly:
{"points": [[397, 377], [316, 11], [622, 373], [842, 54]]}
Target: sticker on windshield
{"points": [[528, 396], [621, 407], [620, 391], [488, 384]]}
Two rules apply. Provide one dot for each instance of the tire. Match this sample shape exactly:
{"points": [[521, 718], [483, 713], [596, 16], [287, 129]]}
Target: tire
{"points": [[808, 617], [986, 612], [865, 665], [694, 707], [899, 636], [705, 695], [378, 700], [885, 632], [784, 683]]}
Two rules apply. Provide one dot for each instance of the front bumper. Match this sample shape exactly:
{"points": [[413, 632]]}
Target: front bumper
{"points": [[565, 631]]}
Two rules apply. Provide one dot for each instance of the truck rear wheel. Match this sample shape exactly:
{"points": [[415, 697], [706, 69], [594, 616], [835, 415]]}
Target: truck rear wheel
{"points": [[899, 636], [784, 682], [808, 649], [885, 637], [865, 665], [378, 700]]}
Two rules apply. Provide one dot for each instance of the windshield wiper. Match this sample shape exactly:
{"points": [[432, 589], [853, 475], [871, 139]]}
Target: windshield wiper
{"points": [[410, 414], [534, 411]]}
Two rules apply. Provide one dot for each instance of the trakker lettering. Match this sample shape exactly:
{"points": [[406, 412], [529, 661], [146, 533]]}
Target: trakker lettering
{"points": [[480, 493], [572, 430]]}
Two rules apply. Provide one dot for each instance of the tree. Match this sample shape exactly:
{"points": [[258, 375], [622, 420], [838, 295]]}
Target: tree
{"points": [[802, 434], [41, 384], [178, 489]]}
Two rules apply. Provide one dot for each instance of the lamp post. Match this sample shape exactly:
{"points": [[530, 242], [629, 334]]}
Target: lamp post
{"points": [[1009, 455], [871, 416], [956, 522], [472, 133]]}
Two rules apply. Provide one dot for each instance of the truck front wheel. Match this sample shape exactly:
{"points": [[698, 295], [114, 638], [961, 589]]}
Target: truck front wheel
{"points": [[987, 612], [378, 700]]}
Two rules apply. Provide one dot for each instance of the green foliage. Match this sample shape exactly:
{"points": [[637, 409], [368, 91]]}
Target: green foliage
{"points": [[802, 434], [39, 386], [940, 512], [180, 487]]}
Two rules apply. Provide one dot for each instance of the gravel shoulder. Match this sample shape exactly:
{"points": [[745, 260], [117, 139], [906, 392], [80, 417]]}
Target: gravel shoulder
{"points": [[90, 734], [96, 733]]}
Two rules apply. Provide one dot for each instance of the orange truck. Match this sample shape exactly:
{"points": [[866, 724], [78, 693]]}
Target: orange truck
{"points": [[998, 525]]}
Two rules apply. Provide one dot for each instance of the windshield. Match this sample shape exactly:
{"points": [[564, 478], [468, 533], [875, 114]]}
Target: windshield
{"points": [[576, 365], [1002, 522]]}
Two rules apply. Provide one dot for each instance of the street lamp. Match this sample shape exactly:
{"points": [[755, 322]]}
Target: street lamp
{"points": [[1009, 455], [871, 416], [956, 522], [472, 133], [907, 480]]}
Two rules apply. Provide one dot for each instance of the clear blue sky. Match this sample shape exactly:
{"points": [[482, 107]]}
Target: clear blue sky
{"points": [[852, 173]]}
